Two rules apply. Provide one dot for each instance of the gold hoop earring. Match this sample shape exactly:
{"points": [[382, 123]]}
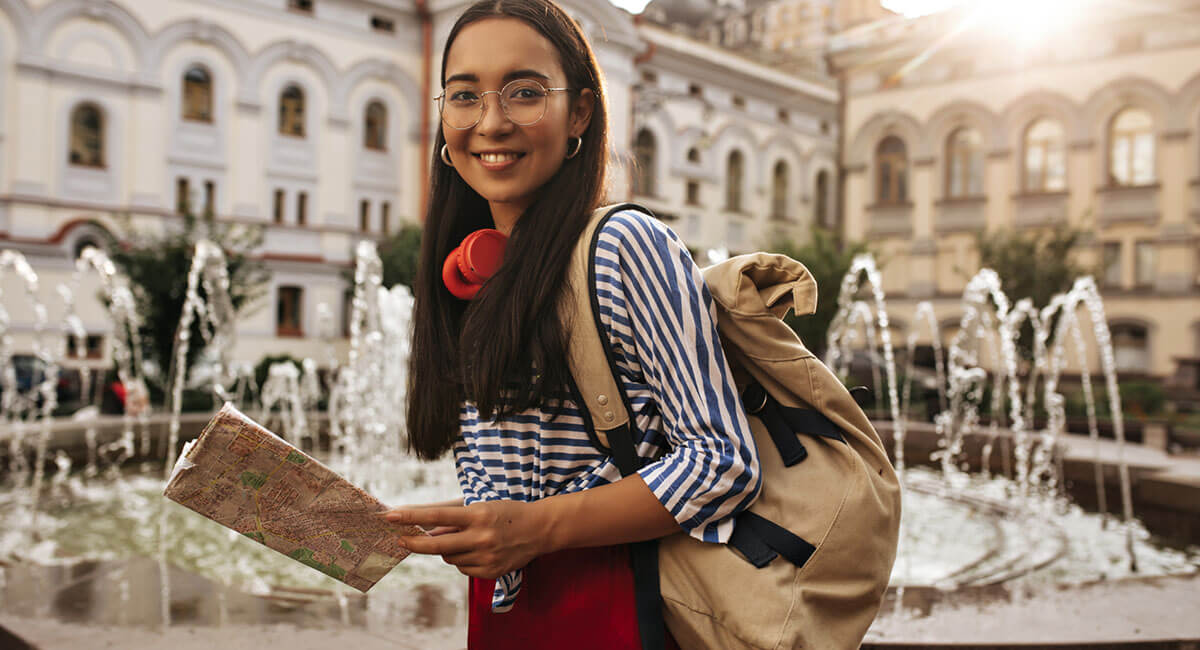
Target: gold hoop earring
{"points": [[578, 145], [446, 156]]}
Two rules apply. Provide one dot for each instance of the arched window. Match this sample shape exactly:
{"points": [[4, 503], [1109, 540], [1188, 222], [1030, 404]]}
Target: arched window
{"points": [[779, 191], [733, 181], [693, 155], [1131, 347], [891, 163], [821, 205], [964, 163], [291, 111], [375, 127], [1045, 157], [87, 136], [644, 153], [197, 95], [1131, 148]]}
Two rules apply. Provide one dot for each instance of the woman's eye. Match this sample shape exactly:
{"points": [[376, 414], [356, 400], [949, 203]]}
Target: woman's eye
{"points": [[463, 96]]}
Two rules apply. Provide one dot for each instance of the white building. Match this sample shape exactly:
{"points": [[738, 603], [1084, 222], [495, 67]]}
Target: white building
{"points": [[313, 119]]}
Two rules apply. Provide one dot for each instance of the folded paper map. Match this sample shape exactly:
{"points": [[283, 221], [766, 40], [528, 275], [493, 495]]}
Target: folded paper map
{"points": [[246, 478]]}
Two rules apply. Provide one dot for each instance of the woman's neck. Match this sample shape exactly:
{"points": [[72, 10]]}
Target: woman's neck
{"points": [[505, 216]]}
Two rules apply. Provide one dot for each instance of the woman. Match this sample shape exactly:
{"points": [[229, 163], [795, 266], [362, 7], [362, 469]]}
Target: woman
{"points": [[547, 517]]}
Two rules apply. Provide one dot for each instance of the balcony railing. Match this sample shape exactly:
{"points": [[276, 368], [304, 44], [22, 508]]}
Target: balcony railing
{"points": [[891, 219], [1127, 204], [1039, 209], [961, 215]]}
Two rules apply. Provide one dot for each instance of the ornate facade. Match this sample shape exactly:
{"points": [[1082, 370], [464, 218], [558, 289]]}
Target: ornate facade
{"points": [[313, 120], [954, 127]]}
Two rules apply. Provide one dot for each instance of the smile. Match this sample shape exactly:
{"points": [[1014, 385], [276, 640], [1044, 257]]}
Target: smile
{"points": [[499, 161]]}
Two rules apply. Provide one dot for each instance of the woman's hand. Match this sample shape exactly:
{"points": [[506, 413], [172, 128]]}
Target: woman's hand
{"points": [[483, 540]]}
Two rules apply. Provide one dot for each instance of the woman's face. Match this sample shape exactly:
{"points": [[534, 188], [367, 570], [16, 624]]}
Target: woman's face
{"points": [[504, 162]]}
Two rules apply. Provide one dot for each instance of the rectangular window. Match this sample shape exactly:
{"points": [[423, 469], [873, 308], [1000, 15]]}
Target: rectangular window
{"points": [[1111, 264], [693, 193], [381, 24], [783, 116], [364, 215], [182, 198], [301, 208], [739, 102], [210, 198], [695, 90], [287, 312], [91, 347], [305, 6], [1145, 263], [384, 215], [649, 77], [277, 209], [347, 311]]}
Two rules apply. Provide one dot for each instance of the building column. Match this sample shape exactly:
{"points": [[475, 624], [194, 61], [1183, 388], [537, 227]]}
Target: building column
{"points": [[922, 262], [1176, 246]]}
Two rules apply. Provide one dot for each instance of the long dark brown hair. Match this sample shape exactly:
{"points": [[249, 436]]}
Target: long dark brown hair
{"points": [[506, 349]]}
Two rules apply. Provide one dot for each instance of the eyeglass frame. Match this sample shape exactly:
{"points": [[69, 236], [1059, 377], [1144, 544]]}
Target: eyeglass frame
{"points": [[483, 104]]}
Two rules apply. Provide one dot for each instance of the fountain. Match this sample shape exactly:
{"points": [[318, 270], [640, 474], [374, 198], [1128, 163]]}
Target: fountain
{"points": [[961, 529]]}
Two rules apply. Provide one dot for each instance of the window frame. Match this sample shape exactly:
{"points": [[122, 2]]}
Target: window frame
{"points": [[185, 113], [382, 144], [966, 159], [99, 136], [1131, 138], [645, 153], [283, 329], [1046, 147], [895, 190], [734, 199], [301, 119]]}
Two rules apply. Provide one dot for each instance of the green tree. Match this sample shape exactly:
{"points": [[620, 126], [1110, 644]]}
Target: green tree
{"points": [[1034, 264], [828, 262], [157, 265], [400, 253]]}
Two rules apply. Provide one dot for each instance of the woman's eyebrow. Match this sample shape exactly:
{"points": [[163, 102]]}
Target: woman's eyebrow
{"points": [[515, 74]]}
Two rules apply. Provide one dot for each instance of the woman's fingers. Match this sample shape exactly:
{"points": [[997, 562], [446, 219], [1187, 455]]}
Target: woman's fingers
{"points": [[442, 530], [447, 544], [430, 517]]}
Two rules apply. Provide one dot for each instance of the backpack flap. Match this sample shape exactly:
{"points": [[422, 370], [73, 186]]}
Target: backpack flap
{"points": [[594, 379]]}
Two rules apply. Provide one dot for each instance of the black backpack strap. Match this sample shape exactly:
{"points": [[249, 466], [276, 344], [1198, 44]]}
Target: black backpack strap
{"points": [[784, 422], [643, 556]]}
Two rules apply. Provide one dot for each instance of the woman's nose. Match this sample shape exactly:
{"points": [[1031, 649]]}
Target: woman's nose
{"points": [[494, 119]]}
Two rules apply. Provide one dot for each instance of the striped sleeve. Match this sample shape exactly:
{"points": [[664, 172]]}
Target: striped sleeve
{"points": [[657, 310]]}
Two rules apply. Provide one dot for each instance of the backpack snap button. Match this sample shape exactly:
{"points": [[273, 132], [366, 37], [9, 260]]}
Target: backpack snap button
{"points": [[603, 399], [609, 415]]}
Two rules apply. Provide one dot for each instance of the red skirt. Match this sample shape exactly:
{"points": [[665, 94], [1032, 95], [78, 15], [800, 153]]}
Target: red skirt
{"points": [[579, 598]]}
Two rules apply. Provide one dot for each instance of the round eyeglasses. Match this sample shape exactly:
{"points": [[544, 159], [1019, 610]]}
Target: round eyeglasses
{"points": [[522, 100]]}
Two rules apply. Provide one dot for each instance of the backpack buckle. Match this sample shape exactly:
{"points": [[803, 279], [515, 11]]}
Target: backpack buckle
{"points": [[754, 398]]}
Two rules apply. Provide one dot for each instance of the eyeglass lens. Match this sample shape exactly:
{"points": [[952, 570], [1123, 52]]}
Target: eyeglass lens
{"points": [[522, 100]]}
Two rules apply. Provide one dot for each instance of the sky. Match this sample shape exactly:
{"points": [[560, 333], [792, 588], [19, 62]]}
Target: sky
{"points": [[906, 7]]}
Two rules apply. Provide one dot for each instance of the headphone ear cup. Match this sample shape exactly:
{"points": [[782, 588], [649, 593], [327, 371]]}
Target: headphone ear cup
{"points": [[481, 254], [452, 277]]}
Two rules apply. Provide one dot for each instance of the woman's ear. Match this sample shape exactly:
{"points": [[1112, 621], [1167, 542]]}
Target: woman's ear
{"points": [[581, 112]]}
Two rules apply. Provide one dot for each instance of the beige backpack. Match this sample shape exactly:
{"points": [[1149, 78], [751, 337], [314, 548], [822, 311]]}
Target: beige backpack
{"points": [[809, 561]]}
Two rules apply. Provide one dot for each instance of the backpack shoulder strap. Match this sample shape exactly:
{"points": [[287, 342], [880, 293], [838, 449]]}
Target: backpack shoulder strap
{"points": [[594, 369], [587, 353]]}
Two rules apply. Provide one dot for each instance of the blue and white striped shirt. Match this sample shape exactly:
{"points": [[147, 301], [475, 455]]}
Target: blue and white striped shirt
{"points": [[660, 319]]}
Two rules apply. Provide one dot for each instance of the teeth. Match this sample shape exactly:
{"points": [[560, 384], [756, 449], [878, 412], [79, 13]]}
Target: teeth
{"points": [[498, 157]]}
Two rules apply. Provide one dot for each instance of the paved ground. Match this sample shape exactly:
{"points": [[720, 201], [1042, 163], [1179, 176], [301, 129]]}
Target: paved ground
{"points": [[1159, 609], [53, 635]]}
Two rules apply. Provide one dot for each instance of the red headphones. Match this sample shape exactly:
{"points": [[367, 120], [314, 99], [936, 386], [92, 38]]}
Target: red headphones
{"points": [[474, 261]]}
